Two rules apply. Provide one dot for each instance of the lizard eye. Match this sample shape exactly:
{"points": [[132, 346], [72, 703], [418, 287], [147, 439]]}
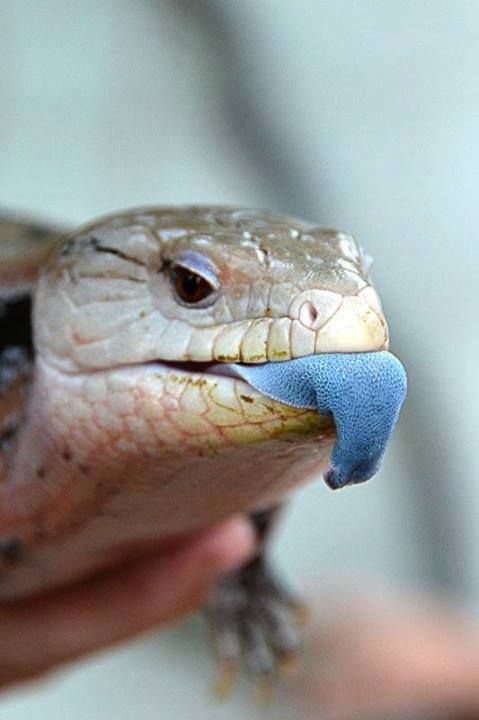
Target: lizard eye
{"points": [[193, 281], [190, 287]]}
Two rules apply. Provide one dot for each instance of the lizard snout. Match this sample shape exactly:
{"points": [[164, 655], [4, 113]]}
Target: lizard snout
{"points": [[340, 323]]}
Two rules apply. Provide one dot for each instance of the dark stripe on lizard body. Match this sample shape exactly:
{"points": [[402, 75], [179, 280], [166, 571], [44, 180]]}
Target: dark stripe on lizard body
{"points": [[15, 375], [15, 324], [16, 335]]}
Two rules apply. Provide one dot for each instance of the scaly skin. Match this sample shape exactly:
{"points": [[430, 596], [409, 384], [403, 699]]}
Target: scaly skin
{"points": [[118, 449]]}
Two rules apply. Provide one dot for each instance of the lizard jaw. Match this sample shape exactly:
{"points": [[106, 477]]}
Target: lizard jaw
{"points": [[362, 392]]}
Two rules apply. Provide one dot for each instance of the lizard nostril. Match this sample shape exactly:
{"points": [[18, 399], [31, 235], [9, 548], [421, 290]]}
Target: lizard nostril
{"points": [[308, 314], [312, 309]]}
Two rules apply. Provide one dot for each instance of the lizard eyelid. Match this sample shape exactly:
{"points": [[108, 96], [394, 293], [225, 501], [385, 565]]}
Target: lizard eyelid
{"points": [[199, 264]]}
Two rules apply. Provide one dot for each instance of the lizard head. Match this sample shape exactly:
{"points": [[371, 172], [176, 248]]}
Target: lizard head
{"points": [[204, 285], [162, 304]]}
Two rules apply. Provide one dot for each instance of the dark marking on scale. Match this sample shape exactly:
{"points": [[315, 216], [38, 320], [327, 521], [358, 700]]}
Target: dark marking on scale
{"points": [[12, 550], [67, 455], [7, 435]]}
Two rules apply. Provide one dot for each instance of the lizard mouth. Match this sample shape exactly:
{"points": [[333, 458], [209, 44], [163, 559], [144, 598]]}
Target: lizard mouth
{"points": [[362, 392], [204, 368]]}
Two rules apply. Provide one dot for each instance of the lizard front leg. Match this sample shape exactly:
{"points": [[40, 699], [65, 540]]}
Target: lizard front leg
{"points": [[254, 617]]}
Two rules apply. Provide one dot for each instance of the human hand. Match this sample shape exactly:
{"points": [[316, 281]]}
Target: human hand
{"points": [[41, 633]]}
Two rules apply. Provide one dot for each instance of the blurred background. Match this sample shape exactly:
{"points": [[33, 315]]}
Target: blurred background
{"points": [[358, 114]]}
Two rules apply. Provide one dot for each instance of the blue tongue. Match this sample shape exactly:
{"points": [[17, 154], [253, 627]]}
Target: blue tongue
{"points": [[362, 391]]}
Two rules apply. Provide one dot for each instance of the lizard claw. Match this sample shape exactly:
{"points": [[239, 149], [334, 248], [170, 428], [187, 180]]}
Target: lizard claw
{"points": [[254, 621], [226, 679]]}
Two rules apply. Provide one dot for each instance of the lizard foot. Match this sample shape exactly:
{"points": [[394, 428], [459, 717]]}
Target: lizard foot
{"points": [[254, 620]]}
